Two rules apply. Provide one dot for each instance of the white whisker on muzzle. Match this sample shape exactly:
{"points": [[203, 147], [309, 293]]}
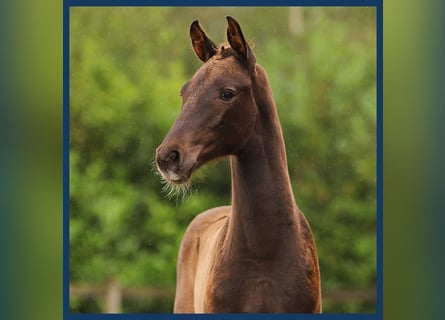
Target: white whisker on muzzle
{"points": [[174, 190]]}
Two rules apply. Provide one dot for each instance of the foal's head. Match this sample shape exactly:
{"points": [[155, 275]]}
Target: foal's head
{"points": [[218, 109]]}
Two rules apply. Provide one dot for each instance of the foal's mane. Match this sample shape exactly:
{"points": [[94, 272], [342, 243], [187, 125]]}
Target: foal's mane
{"points": [[225, 51]]}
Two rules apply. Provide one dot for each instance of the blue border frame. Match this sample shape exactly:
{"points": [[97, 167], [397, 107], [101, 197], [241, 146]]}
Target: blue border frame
{"points": [[226, 3], [378, 4], [66, 154], [380, 158]]}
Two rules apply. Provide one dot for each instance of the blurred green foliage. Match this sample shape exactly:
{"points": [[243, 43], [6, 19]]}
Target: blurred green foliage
{"points": [[127, 66]]}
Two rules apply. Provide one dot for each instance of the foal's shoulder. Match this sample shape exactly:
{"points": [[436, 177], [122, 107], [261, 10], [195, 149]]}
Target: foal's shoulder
{"points": [[202, 226], [207, 219]]}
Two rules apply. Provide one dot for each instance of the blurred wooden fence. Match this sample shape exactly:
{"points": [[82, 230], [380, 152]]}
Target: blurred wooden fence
{"points": [[111, 293]]}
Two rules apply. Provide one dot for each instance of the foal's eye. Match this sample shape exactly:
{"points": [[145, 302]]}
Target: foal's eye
{"points": [[227, 95]]}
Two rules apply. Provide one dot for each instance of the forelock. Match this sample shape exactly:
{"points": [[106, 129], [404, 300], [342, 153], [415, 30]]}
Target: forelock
{"points": [[225, 51]]}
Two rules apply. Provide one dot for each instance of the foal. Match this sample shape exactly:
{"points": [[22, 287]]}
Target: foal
{"points": [[257, 255]]}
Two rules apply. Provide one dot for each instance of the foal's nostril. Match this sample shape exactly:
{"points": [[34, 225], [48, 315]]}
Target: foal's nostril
{"points": [[168, 160], [173, 158]]}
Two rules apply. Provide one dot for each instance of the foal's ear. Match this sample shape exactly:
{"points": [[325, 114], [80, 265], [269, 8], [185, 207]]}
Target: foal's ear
{"points": [[203, 46], [238, 43]]}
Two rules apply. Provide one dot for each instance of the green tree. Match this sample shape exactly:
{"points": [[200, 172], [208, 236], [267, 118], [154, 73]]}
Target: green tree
{"points": [[127, 66]]}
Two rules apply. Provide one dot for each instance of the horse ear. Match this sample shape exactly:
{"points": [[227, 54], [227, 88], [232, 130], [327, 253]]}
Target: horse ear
{"points": [[203, 46], [236, 39]]}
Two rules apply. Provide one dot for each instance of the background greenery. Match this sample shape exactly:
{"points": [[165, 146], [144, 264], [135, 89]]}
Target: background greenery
{"points": [[127, 66]]}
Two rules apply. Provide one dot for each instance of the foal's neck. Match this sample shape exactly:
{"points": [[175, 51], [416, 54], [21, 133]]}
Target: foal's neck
{"points": [[262, 199]]}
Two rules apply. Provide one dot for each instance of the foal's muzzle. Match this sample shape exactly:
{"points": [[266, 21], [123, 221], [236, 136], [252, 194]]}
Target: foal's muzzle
{"points": [[169, 163]]}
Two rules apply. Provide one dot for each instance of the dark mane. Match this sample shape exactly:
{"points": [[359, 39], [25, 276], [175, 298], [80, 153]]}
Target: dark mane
{"points": [[225, 52]]}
